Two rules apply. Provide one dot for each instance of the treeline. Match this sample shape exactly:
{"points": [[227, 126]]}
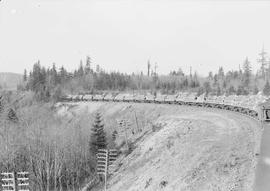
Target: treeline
{"points": [[50, 83]]}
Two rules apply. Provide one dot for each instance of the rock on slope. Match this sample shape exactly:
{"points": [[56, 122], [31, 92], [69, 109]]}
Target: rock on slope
{"points": [[192, 150]]}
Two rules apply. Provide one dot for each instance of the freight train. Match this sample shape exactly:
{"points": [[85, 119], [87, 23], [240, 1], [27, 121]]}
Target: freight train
{"points": [[254, 106]]}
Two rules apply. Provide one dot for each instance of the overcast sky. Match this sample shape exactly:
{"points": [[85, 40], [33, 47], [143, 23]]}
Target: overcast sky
{"points": [[122, 35]]}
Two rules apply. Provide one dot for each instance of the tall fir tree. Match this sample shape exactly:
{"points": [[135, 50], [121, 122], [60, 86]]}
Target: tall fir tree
{"points": [[98, 137], [87, 69], [247, 73], [263, 62], [53, 76], [63, 75], [81, 69], [25, 75]]}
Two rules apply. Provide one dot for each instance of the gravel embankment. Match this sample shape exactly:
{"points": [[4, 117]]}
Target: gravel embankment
{"points": [[194, 149]]}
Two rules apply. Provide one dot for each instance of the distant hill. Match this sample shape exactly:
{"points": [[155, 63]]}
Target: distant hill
{"points": [[9, 81]]}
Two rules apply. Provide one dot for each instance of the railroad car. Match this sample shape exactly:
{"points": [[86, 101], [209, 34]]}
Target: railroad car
{"points": [[170, 99], [200, 100], [129, 98], [65, 98], [265, 111], [108, 97], [119, 97], [88, 97], [210, 101], [160, 98], [190, 99], [150, 98], [229, 102], [180, 98], [139, 98], [98, 97], [77, 97]]}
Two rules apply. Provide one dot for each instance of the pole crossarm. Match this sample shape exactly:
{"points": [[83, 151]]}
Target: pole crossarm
{"points": [[105, 159], [15, 181]]}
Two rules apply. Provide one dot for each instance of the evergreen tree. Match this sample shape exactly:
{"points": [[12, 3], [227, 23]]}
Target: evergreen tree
{"points": [[25, 75], [210, 76], [36, 77], [221, 73], [207, 87], [255, 90], [247, 73], [215, 83], [53, 75], [88, 65], [81, 70], [262, 60], [63, 75], [185, 82], [239, 90], [97, 68], [231, 90], [218, 91], [148, 68], [98, 137], [266, 89]]}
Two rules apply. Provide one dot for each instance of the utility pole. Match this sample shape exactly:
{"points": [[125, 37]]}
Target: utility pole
{"points": [[156, 66], [13, 181], [102, 165], [105, 159], [136, 119], [123, 125], [155, 75], [148, 68]]}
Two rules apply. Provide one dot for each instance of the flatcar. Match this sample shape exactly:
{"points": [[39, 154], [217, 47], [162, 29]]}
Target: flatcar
{"points": [[150, 98], [170, 99], [190, 99], [88, 97], [160, 98], [200, 100], [119, 97], [180, 98], [129, 98], [139, 98], [108, 97], [98, 97]]}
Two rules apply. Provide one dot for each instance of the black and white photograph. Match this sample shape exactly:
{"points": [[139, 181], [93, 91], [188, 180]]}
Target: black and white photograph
{"points": [[134, 95]]}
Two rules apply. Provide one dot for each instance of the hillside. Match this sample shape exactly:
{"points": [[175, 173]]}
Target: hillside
{"points": [[9, 81], [180, 148]]}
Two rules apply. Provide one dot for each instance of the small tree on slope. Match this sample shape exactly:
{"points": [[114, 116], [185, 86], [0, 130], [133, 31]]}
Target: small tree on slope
{"points": [[98, 137]]}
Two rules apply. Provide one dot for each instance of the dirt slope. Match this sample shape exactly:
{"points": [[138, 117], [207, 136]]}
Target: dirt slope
{"points": [[190, 149]]}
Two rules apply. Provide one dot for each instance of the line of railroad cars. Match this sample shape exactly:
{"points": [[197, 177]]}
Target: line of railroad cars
{"points": [[244, 104]]}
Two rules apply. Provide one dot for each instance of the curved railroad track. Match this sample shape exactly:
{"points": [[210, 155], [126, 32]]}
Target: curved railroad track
{"points": [[253, 113]]}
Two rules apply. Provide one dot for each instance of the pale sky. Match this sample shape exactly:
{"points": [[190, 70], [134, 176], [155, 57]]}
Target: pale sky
{"points": [[122, 35]]}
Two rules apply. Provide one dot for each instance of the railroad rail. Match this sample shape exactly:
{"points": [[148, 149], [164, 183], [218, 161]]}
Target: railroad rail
{"points": [[247, 105]]}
